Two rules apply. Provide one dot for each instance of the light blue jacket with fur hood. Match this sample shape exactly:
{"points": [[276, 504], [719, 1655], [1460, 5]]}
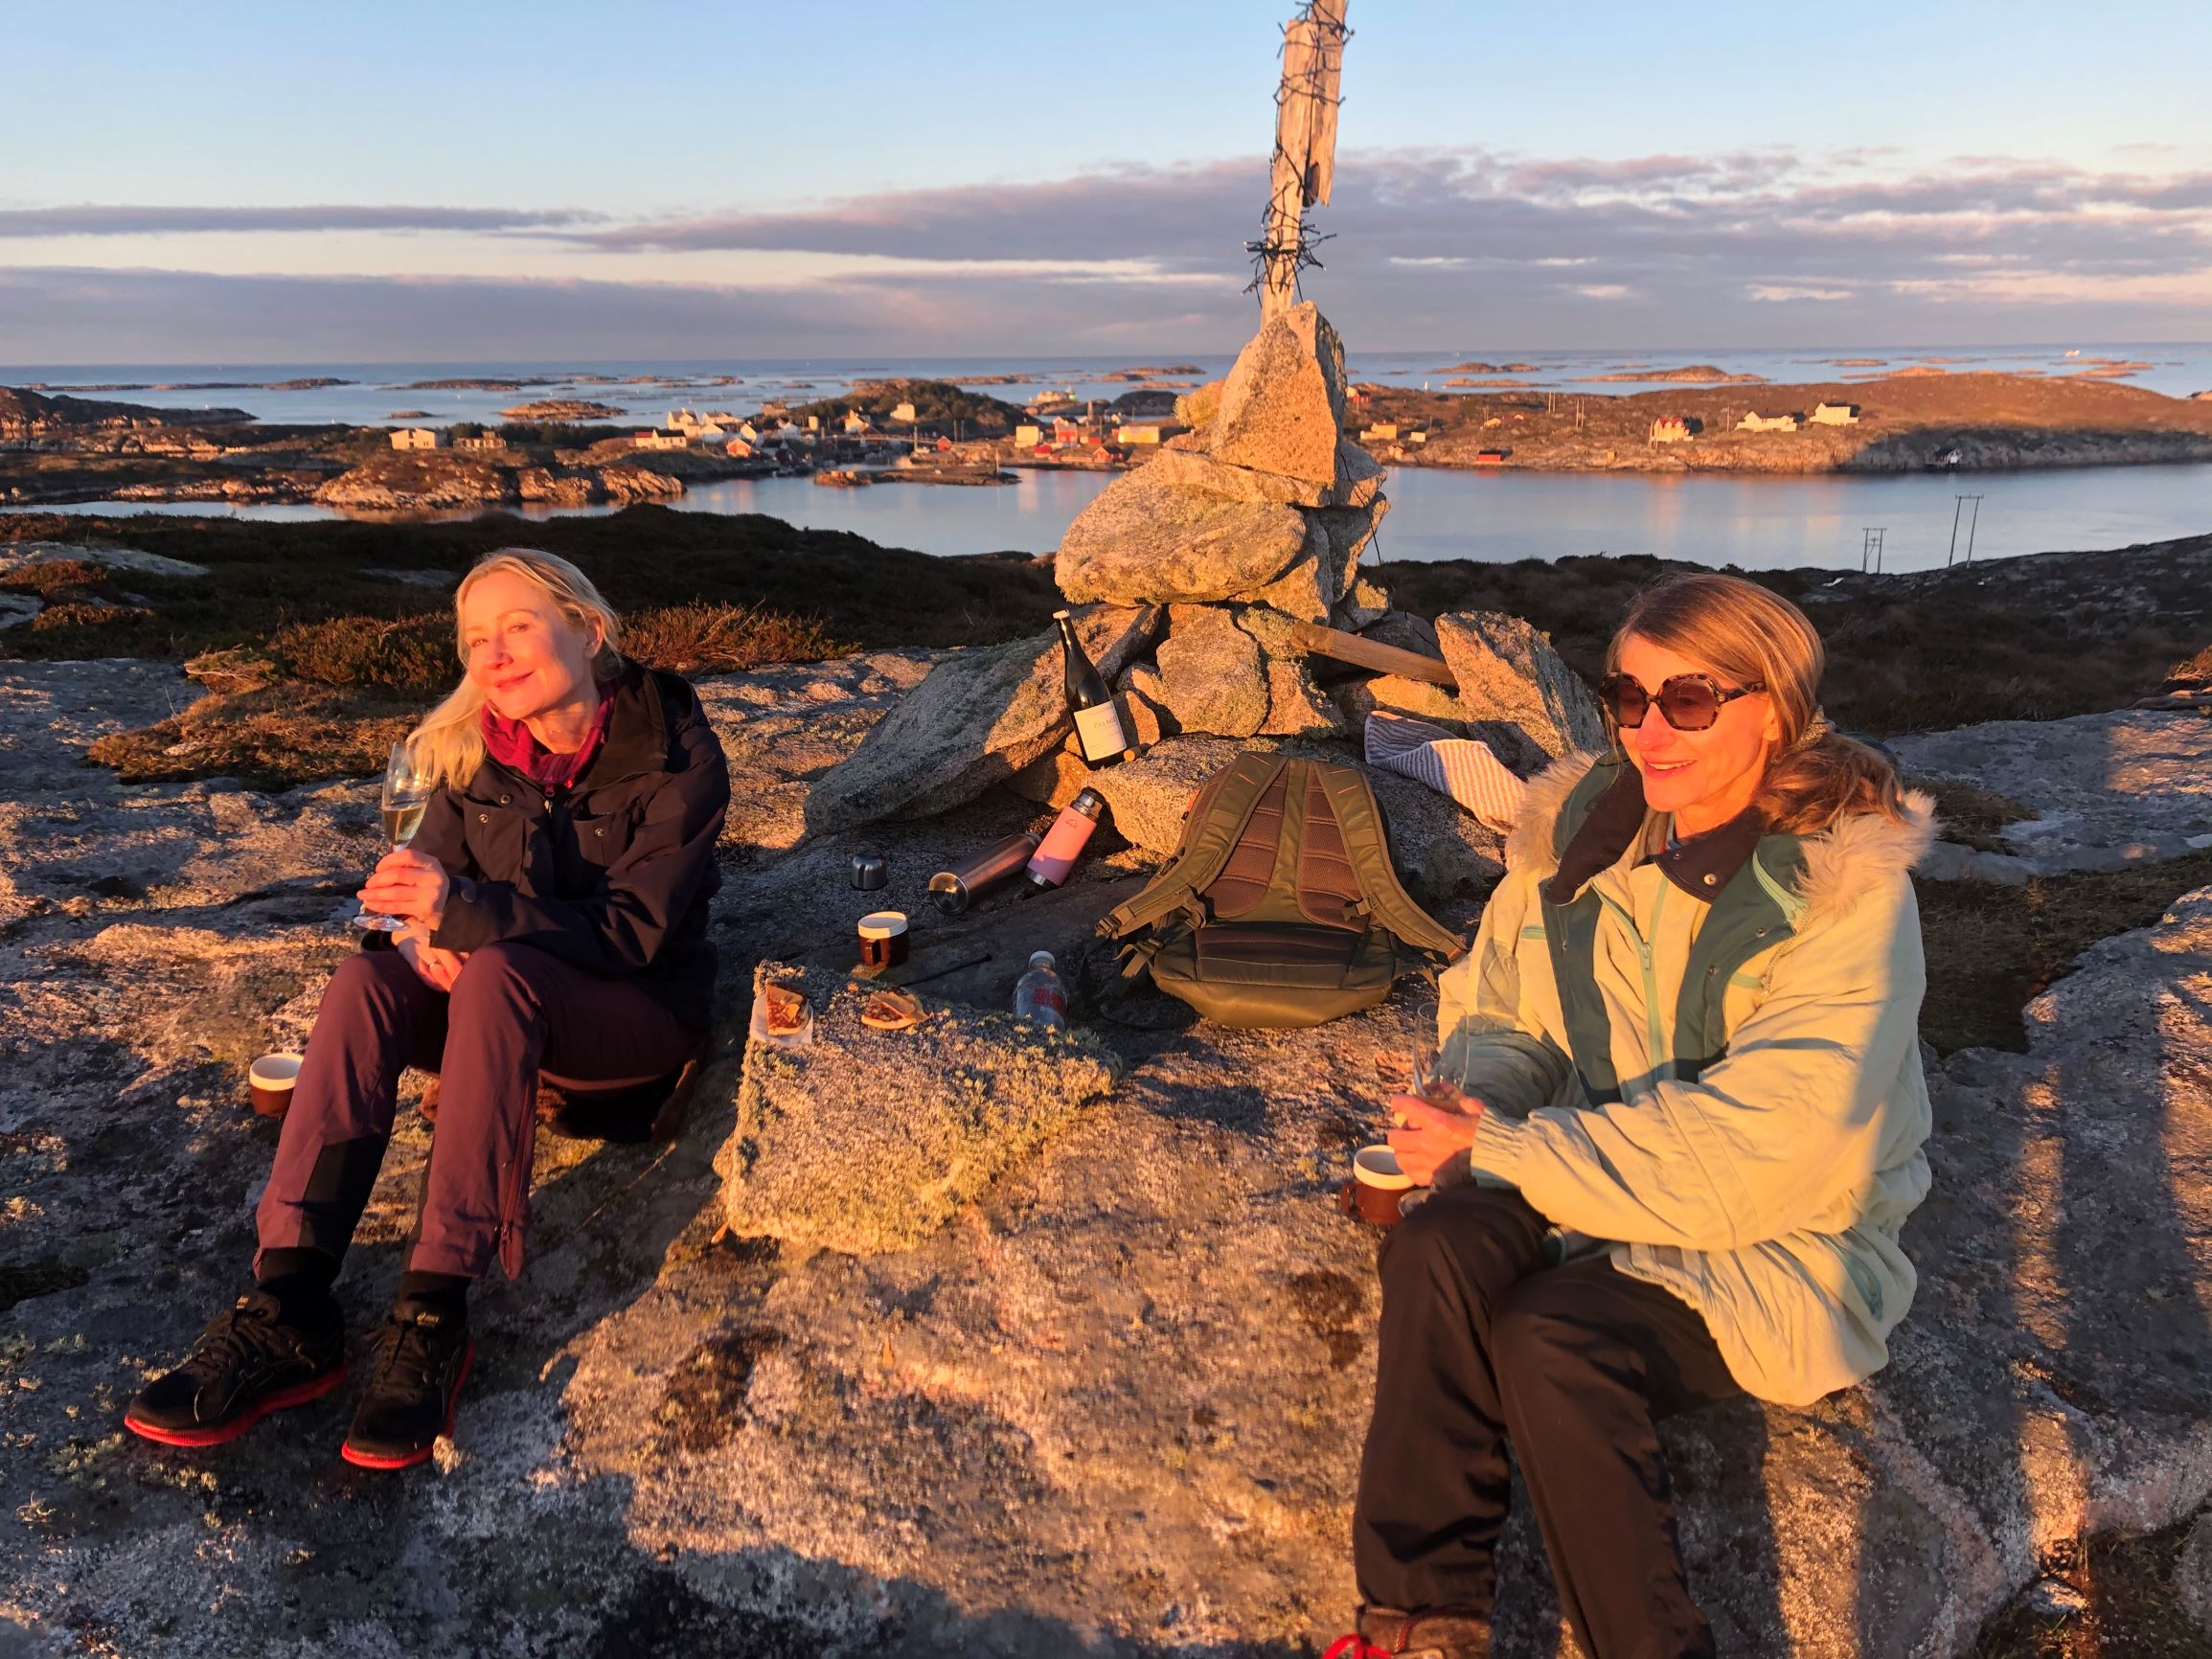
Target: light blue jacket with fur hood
{"points": [[1708, 1062]]}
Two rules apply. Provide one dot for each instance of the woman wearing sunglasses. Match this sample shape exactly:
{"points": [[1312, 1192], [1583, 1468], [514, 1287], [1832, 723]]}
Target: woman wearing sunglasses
{"points": [[1687, 1130]]}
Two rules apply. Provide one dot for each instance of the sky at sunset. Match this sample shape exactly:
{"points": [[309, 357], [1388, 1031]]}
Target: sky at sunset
{"points": [[414, 182]]}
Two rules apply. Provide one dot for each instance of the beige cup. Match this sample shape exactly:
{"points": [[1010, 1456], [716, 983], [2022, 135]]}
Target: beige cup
{"points": [[1378, 1184], [883, 941], [269, 1080]]}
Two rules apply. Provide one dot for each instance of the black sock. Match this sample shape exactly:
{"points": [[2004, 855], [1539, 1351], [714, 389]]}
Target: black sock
{"points": [[445, 1294], [300, 1278]]}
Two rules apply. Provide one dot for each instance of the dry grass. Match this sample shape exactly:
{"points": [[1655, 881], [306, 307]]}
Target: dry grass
{"points": [[1971, 816], [287, 734], [80, 617], [720, 639], [412, 654], [58, 578], [1992, 949], [2133, 1612], [2021, 639], [355, 685], [266, 577]]}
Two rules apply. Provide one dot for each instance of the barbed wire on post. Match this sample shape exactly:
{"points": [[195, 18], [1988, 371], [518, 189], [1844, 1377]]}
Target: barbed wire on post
{"points": [[1303, 163]]}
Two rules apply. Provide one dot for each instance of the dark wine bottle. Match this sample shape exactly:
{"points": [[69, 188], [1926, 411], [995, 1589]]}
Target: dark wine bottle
{"points": [[1098, 723]]}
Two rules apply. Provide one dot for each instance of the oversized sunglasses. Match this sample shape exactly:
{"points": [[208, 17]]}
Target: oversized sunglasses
{"points": [[1689, 702]]}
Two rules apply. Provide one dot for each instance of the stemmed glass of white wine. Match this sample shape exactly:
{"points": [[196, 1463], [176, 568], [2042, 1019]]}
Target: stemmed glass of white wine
{"points": [[408, 787]]}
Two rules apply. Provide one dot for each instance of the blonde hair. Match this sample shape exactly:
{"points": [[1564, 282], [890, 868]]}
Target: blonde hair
{"points": [[449, 742], [1745, 633]]}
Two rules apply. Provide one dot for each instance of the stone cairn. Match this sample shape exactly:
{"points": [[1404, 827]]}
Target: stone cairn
{"points": [[1187, 579], [1246, 525]]}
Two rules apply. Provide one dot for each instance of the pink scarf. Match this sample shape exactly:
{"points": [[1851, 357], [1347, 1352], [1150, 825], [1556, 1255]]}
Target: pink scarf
{"points": [[511, 743]]}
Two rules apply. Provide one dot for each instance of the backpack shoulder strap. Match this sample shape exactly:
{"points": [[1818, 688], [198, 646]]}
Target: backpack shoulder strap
{"points": [[1225, 807], [1359, 819]]}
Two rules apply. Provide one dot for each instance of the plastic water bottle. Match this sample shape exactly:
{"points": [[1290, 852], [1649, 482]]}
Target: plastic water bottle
{"points": [[1039, 995]]}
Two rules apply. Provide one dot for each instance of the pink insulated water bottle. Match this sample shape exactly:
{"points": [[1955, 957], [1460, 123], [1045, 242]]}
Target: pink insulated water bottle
{"points": [[1064, 842]]}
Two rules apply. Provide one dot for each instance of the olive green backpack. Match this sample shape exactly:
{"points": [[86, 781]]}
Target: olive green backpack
{"points": [[1280, 907]]}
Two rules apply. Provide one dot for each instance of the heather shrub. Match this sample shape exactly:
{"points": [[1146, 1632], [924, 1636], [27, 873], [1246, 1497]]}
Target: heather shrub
{"points": [[695, 638], [413, 654], [87, 615], [55, 577]]}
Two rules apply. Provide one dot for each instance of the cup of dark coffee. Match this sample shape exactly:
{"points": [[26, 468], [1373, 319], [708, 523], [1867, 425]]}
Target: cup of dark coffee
{"points": [[883, 942], [1378, 1185], [269, 1081]]}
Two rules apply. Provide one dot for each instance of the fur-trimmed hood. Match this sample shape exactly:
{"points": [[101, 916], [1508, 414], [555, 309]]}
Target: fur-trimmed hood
{"points": [[1853, 855]]}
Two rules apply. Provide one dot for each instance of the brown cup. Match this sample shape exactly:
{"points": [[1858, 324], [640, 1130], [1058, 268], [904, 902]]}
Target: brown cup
{"points": [[883, 941], [1378, 1185], [269, 1081]]}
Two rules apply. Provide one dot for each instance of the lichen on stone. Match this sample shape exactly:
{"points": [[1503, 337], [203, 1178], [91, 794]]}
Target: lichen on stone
{"points": [[868, 1141]]}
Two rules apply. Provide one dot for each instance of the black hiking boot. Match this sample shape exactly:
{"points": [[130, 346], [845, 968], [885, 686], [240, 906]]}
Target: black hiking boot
{"points": [[422, 1357], [245, 1365]]}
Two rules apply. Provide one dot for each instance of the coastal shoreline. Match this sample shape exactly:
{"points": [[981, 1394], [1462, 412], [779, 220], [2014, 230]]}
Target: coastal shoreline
{"points": [[59, 450], [1967, 423]]}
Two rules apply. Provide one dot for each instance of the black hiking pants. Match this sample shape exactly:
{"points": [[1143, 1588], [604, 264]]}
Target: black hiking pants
{"points": [[1483, 1345]]}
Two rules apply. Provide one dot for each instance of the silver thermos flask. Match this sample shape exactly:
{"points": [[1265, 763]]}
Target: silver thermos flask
{"points": [[953, 890]]}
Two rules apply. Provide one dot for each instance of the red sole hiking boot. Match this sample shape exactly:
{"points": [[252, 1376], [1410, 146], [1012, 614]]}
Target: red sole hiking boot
{"points": [[1387, 1633], [245, 1365], [423, 1361]]}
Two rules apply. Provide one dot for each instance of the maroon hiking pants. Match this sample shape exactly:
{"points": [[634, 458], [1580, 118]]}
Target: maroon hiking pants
{"points": [[513, 1010]]}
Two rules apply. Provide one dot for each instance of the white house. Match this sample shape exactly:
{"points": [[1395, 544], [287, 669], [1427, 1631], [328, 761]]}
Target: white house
{"points": [[1835, 414], [1754, 422]]}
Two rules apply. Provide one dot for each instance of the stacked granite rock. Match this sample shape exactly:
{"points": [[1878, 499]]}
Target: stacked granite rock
{"points": [[1188, 580], [1248, 524]]}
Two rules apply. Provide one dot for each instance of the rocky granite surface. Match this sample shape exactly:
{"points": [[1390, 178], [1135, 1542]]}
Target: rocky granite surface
{"points": [[2107, 790], [1111, 1407]]}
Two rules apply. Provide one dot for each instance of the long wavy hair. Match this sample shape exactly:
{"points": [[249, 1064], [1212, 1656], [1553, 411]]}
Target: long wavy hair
{"points": [[449, 742], [1743, 633]]}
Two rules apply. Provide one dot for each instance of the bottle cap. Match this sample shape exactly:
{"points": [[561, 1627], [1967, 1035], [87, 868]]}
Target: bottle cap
{"points": [[1041, 959]]}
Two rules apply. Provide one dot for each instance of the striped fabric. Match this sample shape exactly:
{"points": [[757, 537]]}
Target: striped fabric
{"points": [[1461, 767]]}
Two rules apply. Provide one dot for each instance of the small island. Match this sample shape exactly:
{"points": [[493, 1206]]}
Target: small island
{"points": [[1922, 417], [568, 409]]}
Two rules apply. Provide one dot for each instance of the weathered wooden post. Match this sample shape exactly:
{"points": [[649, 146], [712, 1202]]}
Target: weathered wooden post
{"points": [[1304, 146]]}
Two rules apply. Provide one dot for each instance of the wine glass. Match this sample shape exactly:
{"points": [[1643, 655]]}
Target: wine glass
{"points": [[1424, 1060], [408, 787]]}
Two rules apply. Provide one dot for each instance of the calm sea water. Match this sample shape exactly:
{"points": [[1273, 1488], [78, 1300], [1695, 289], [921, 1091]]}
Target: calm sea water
{"points": [[1755, 523], [376, 393]]}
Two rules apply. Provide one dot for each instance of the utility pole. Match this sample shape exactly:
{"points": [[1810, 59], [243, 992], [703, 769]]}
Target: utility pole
{"points": [[1972, 525], [1871, 538], [1305, 147]]}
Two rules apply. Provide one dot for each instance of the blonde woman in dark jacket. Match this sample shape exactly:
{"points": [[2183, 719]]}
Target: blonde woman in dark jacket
{"points": [[1688, 1133], [556, 901]]}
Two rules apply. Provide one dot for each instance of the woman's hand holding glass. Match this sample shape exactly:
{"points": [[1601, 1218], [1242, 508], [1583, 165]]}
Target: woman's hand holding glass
{"points": [[405, 796], [1437, 1119], [1429, 1134], [411, 886]]}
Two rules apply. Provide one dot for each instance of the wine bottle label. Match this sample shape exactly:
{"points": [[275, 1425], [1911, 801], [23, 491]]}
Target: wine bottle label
{"points": [[1100, 731]]}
